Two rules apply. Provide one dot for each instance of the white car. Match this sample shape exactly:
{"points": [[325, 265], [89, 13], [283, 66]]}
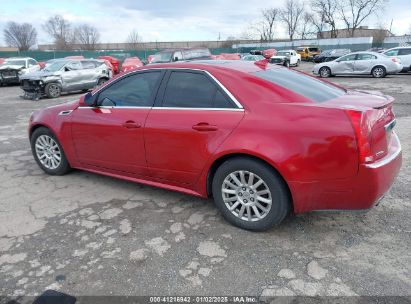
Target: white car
{"points": [[14, 67], [403, 53], [360, 63], [286, 58]]}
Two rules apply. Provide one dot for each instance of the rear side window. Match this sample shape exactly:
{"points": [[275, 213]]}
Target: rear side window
{"points": [[133, 91], [299, 83], [366, 56], [88, 64], [193, 90], [392, 52], [404, 51]]}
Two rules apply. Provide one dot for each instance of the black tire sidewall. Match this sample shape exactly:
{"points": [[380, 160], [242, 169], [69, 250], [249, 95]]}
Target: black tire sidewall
{"points": [[46, 89], [64, 166], [281, 201]]}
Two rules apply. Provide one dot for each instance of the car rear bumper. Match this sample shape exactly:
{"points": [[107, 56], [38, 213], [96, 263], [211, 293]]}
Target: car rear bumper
{"points": [[358, 193]]}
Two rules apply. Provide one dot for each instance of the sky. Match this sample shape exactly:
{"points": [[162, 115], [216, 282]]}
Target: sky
{"points": [[177, 20]]}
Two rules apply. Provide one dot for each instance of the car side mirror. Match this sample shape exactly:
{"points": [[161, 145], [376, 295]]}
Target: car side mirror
{"points": [[88, 99], [67, 69], [175, 58]]}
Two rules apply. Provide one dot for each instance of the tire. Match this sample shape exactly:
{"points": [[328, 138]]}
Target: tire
{"points": [[378, 72], [298, 63], [48, 160], [101, 81], [325, 72], [52, 90], [243, 212], [287, 64]]}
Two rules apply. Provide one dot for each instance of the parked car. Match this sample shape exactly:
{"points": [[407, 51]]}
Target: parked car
{"points": [[181, 55], [114, 62], [330, 55], [403, 53], [131, 63], [360, 63], [286, 58], [14, 67], [65, 75], [252, 138], [256, 52], [250, 57], [308, 52]]}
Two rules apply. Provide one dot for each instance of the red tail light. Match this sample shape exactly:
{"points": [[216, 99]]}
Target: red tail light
{"points": [[362, 129]]}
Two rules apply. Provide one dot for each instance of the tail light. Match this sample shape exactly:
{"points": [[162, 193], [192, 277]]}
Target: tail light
{"points": [[362, 130], [373, 129]]}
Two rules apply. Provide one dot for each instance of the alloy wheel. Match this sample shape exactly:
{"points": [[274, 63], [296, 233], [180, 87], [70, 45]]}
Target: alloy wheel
{"points": [[378, 72], [54, 90], [48, 152], [246, 195]]}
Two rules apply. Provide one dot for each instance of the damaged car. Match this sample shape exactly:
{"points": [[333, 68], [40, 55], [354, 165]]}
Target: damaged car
{"points": [[12, 68], [65, 75]]}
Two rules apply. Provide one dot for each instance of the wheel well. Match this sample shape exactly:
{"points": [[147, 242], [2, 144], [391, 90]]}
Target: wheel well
{"points": [[35, 128], [218, 162]]}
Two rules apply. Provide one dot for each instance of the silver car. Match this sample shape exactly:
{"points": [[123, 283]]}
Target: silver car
{"points": [[65, 75], [360, 63]]}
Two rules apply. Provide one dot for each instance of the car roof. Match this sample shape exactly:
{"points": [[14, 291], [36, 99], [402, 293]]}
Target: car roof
{"points": [[18, 58], [213, 65]]}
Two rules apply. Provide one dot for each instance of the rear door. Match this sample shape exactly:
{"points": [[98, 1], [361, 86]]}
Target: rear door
{"points": [[345, 65], [71, 76], [192, 117], [364, 62], [89, 74]]}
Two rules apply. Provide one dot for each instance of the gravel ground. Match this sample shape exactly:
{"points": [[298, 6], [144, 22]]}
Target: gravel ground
{"points": [[85, 234]]}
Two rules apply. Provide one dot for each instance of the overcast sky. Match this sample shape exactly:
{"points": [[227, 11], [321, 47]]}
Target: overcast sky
{"points": [[168, 20]]}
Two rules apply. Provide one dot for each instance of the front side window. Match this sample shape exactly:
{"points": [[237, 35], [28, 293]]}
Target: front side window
{"points": [[347, 58], [193, 90], [404, 51], [178, 56], [301, 84], [32, 62], [366, 57], [74, 65], [133, 91]]}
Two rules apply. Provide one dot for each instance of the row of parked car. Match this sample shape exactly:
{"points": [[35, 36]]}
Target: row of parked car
{"points": [[76, 73]]}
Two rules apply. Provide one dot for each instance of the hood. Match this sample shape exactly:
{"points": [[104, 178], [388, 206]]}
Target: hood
{"points": [[37, 75], [11, 67]]}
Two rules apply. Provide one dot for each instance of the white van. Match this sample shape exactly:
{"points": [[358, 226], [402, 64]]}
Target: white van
{"points": [[403, 53]]}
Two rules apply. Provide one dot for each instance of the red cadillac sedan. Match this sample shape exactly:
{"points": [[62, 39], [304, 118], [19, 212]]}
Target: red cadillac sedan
{"points": [[262, 140]]}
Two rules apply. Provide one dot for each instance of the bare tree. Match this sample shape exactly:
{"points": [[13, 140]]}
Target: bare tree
{"points": [[61, 32], [267, 24], [22, 36], [318, 23], [87, 36], [326, 11], [354, 12], [291, 15], [133, 40], [306, 27]]}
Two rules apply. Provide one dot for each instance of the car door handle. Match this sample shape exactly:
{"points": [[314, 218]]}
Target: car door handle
{"points": [[204, 127], [131, 125]]}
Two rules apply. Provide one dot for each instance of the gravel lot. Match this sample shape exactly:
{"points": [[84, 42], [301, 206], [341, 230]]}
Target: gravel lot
{"points": [[85, 234]]}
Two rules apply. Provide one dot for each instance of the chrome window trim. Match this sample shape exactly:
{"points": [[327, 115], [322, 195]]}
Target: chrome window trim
{"points": [[231, 96], [165, 108]]}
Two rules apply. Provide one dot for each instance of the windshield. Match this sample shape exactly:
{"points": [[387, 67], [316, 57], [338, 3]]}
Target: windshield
{"points": [[162, 57], [300, 49], [299, 83], [55, 66], [283, 54], [15, 62]]}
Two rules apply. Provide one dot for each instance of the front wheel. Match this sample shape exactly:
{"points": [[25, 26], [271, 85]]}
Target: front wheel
{"points": [[325, 72], [250, 194], [298, 62], [48, 152], [378, 72], [52, 90]]}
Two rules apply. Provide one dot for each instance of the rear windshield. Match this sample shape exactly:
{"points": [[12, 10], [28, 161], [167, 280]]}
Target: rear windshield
{"points": [[299, 83], [194, 54]]}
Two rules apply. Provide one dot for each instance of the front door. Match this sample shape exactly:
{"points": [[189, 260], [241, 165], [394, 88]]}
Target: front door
{"points": [[110, 135], [345, 65], [364, 62], [192, 120]]}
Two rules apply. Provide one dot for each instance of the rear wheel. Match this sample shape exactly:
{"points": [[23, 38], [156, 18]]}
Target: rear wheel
{"points": [[52, 90], [378, 72], [325, 72], [101, 81], [48, 152], [250, 194]]}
